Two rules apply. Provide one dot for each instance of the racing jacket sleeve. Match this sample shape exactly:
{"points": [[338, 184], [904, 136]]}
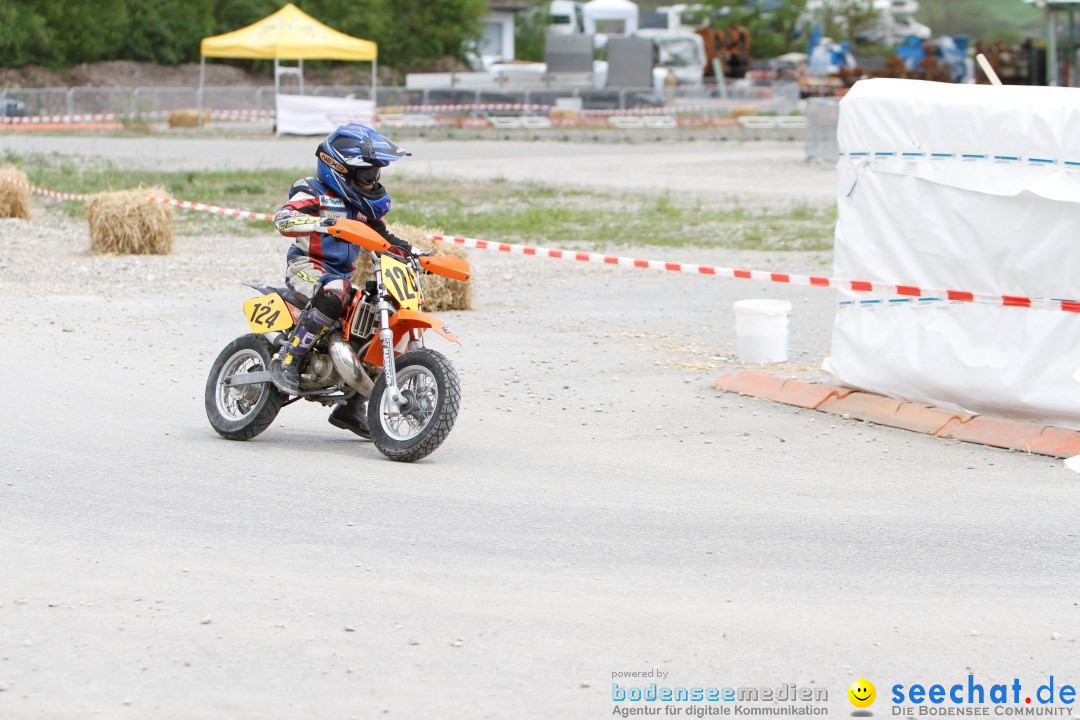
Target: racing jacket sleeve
{"points": [[300, 215]]}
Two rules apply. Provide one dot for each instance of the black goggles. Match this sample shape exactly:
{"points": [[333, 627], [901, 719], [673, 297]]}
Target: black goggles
{"points": [[365, 175]]}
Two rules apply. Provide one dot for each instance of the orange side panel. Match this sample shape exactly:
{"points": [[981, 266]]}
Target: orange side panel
{"points": [[410, 319], [348, 321], [402, 323]]}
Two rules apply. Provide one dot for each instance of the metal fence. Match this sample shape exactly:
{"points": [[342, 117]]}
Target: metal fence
{"points": [[778, 97], [137, 100], [38, 101], [822, 121]]}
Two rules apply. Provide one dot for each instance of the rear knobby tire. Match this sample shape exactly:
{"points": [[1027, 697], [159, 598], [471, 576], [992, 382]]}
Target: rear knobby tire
{"points": [[241, 413], [431, 377]]}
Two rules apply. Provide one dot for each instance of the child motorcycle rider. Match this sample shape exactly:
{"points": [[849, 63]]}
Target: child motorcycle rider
{"points": [[318, 264]]}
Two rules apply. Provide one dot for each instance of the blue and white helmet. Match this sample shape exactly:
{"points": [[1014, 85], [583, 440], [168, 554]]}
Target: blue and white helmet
{"points": [[350, 159]]}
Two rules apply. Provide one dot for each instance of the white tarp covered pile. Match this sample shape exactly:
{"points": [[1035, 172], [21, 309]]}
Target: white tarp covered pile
{"points": [[985, 200]]}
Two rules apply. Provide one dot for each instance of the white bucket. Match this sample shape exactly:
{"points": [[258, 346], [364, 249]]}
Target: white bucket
{"points": [[761, 330]]}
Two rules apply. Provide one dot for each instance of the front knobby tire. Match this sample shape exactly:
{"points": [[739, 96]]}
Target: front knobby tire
{"points": [[433, 384], [242, 412]]}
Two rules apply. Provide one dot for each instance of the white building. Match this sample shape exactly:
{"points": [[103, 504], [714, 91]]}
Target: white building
{"points": [[497, 43], [614, 17]]}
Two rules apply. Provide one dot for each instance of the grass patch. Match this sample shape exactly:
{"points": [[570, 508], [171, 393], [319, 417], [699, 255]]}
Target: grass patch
{"points": [[494, 209], [261, 191], [538, 214]]}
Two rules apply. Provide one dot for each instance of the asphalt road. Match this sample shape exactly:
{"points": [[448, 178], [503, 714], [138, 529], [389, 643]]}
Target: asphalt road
{"points": [[597, 509]]}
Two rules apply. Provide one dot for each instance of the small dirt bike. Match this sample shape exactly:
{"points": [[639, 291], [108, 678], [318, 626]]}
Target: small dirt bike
{"points": [[377, 349]]}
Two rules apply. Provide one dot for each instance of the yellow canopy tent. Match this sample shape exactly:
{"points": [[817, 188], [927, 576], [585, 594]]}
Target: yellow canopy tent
{"points": [[288, 34]]}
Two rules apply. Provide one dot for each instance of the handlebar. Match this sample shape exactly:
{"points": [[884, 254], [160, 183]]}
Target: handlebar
{"points": [[358, 233]]}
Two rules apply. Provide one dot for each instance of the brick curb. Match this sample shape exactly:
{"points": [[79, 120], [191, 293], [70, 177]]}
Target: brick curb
{"points": [[981, 429]]}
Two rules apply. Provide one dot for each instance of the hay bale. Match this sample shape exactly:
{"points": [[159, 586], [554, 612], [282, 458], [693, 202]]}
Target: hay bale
{"points": [[138, 126], [128, 222], [187, 118], [440, 294], [14, 199]]}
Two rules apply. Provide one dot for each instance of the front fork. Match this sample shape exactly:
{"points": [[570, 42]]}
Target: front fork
{"points": [[386, 336]]}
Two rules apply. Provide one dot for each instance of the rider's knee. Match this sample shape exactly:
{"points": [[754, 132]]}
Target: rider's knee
{"points": [[331, 298]]}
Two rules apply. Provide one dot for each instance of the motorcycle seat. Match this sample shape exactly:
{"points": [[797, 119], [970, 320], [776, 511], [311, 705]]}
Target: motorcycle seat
{"points": [[292, 297], [287, 294]]}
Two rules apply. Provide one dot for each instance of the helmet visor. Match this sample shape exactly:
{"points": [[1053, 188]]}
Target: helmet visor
{"points": [[365, 175]]}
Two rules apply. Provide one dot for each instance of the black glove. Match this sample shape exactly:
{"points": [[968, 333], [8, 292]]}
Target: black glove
{"points": [[398, 242]]}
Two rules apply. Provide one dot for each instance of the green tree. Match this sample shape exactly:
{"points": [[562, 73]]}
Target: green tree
{"points": [[229, 15], [84, 32], [416, 33], [773, 24], [530, 33], [23, 32], [411, 34], [844, 19], [167, 31], [990, 20]]}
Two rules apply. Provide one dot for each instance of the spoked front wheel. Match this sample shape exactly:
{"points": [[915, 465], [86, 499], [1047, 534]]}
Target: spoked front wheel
{"points": [[240, 412], [430, 386]]}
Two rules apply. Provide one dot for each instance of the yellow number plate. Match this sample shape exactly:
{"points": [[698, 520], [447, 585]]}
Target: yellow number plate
{"points": [[268, 314], [400, 280]]}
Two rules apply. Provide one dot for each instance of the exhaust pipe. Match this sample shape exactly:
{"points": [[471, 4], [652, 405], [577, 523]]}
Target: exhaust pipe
{"points": [[348, 366]]}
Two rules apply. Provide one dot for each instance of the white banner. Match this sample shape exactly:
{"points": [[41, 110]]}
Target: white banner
{"points": [[314, 115], [961, 186]]}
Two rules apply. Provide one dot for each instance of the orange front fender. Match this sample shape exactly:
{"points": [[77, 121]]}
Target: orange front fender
{"points": [[402, 323]]}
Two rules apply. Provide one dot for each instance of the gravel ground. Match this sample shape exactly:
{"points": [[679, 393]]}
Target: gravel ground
{"points": [[597, 508], [223, 262]]}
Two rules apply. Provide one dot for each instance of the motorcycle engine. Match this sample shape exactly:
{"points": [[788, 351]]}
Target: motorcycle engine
{"points": [[319, 372]]}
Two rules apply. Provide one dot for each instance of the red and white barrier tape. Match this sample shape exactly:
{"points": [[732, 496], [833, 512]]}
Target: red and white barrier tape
{"points": [[43, 191], [249, 115], [201, 207], [259, 116], [787, 278], [268, 115], [661, 110], [214, 209], [963, 296], [58, 119], [464, 107], [240, 114]]}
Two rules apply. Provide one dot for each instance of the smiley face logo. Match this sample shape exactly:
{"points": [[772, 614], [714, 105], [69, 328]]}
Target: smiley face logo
{"points": [[862, 693]]}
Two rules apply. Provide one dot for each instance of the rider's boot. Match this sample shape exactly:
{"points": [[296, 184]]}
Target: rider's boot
{"points": [[350, 416], [285, 365]]}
